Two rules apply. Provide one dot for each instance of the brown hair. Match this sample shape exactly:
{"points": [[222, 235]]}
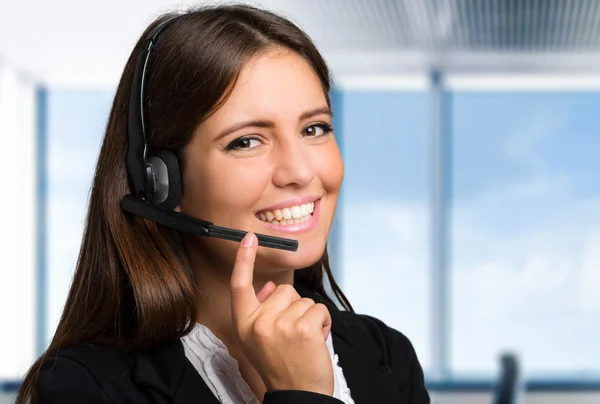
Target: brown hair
{"points": [[133, 287]]}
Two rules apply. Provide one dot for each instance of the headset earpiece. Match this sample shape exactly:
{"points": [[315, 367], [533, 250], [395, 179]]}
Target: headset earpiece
{"points": [[164, 176]]}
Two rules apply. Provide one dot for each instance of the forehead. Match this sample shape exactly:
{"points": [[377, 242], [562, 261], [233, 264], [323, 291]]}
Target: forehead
{"points": [[274, 85]]}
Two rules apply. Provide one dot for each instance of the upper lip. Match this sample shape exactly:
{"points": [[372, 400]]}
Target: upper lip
{"points": [[297, 201]]}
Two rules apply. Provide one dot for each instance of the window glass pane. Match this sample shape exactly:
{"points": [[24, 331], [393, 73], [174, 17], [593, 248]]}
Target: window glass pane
{"points": [[384, 226], [526, 238], [76, 123]]}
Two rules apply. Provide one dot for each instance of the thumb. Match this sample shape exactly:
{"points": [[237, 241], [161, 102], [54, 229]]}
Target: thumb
{"points": [[243, 297], [326, 329], [266, 291]]}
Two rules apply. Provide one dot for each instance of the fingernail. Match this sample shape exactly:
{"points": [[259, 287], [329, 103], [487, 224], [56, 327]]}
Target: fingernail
{"points": [[248, 240]]}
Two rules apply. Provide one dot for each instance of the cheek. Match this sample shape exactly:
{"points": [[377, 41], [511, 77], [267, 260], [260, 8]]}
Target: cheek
{"points": [[331, 168], [235, 187]]}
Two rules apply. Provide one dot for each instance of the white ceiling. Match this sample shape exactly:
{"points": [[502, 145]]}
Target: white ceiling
{"points": [[86, 43]]}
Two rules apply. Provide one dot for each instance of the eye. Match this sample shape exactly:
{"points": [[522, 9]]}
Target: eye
{"points": [[318, 129], [242, 143]]}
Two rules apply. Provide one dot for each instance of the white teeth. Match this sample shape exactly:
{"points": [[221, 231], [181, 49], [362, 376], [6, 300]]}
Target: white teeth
{"points": [[304, 210], [286, 216], [296, 212]]}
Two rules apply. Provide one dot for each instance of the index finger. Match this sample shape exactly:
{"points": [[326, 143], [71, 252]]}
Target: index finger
{"points": [[243, 297]]}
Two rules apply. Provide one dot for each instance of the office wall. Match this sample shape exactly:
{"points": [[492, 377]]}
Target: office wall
{"points": [[18, 221]]}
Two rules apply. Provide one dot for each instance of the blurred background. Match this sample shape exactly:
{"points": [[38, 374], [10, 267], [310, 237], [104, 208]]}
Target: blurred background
{"points": [[470, 212]]}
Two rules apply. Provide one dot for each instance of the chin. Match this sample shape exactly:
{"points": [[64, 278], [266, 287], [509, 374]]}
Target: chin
{"points": [[307, 255]]}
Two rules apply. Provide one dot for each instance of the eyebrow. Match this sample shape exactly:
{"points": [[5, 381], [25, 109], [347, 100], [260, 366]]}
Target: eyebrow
{"points": [[261, 123]]}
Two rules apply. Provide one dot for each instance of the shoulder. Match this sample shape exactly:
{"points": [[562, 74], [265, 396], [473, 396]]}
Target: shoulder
{"points": [[92, 355], [79, 372], [371, 325], [396, 358], [370, 334], [94, 359], [394, 346], [101, 374]]}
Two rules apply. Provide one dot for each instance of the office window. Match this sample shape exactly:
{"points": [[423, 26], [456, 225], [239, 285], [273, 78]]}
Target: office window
{"points": [[76, 124], [384, 245], [525, 241]]}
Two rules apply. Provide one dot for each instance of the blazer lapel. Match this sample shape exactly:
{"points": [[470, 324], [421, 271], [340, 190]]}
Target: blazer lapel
{"points": [[193, 389], [158, 371], [358, 356], [168, 377]]}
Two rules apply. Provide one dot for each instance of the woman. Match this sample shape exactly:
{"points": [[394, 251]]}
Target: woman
{"points": [[154, 315]]}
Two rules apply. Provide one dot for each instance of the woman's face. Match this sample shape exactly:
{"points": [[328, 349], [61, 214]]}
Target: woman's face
{"points": [[266, 162]]}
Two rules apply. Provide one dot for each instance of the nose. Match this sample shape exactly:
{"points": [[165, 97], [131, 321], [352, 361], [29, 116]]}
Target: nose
{"points": [[294, 165]]}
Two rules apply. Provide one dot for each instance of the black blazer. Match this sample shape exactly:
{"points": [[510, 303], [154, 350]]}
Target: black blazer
{"points": [[379, 364]]}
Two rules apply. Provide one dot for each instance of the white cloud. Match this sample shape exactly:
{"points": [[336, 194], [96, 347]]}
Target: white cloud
{"points": [[385, 263], [589, 282], [533, 289], [528, 131]]}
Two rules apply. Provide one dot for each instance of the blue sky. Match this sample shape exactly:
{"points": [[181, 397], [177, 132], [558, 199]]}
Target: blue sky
{"points": [[525, 214], [525, 209], [384, 133], [526, 246], [509, 136]]}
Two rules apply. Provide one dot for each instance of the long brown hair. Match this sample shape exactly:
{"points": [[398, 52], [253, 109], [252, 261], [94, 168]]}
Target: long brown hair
{"points": [[133, 287]]}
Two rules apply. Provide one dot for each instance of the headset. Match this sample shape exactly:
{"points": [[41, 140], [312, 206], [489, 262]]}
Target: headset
{"points": [[155, 175]]}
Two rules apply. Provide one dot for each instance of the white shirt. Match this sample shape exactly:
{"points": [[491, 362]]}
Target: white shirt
{"points": [[211, 359]]}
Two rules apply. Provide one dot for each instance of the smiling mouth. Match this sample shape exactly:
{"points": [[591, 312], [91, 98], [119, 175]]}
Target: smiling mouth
{"points": [[287, 216]]}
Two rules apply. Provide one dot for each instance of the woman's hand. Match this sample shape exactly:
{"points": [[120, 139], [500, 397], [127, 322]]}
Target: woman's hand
{"points": [[282, 334]]}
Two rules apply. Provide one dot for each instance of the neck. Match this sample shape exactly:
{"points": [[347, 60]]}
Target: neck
{"points": [[214, 309], [214, 305]]}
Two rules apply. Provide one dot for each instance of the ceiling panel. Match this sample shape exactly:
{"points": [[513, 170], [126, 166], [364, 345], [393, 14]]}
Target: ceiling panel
{"points": [[454, 25], [69, 41]]}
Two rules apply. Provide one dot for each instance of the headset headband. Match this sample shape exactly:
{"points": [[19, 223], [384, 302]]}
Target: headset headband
{"points": [[138, 146]]}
